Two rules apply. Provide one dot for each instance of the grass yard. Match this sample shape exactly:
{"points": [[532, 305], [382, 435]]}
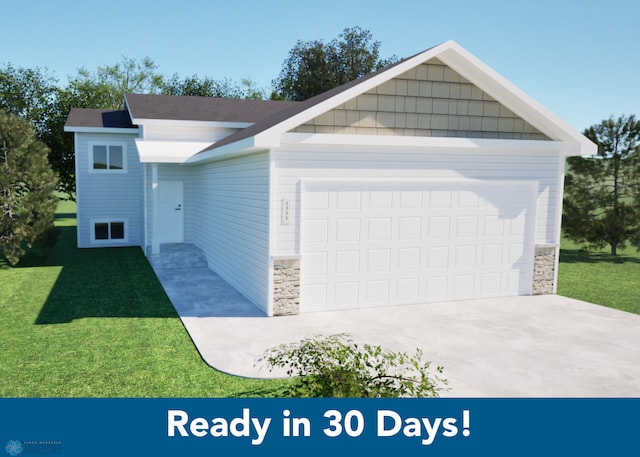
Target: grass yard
{"points": [[598, 277], [97, 323]]}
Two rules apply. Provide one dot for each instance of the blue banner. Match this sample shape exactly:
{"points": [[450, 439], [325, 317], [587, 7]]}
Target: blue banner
{"points": [[451, 427]]}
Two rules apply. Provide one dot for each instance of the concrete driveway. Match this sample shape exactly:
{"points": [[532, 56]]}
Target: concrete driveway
{"points": [[534, 346]]}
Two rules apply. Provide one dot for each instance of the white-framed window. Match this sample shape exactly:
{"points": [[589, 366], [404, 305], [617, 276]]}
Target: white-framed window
{"points": [[109, 230], [107, 157]]}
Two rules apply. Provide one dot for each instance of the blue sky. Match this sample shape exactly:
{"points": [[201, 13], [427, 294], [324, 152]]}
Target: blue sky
{"points": [[579, 58]]}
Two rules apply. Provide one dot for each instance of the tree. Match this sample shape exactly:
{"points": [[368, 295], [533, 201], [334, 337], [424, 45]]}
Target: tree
{"points": [[28, 93], [27, 183], [602, 193], [336, 366], [107, 87], [34, 95], [103, 89], [209, 87], [313, 67]]}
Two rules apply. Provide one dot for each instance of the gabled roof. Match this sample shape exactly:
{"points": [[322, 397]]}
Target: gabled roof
{"points": [[206, 109], [266, 133], [98, 118]]}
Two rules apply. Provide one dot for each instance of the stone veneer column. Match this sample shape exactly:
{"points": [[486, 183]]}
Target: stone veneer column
{"points": [[286, 287], [544, 270]]}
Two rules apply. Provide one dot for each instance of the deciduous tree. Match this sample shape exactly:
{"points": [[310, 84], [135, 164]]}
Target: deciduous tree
{"points": [[209, 87], [313, 67]]}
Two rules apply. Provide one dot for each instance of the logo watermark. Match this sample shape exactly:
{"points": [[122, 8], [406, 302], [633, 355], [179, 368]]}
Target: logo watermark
{"points": [[13, 448], [23, 448]]}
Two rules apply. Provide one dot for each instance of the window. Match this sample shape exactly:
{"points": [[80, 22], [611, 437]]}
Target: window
{"points": [[108, 230], [108, 158]]}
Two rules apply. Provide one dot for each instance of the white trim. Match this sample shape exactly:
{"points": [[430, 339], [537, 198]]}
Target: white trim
{"points": [[189, 123], [168, 151], [558, 227], [145, 211], [227, 151], [71, 128], [155, 205], [79, 221], [271, 258], [305, 183], [108, 144], [422, 142], [110, 241], [505, 92]]}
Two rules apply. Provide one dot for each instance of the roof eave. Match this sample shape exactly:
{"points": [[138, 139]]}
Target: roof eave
{"points": [[96, 129], [241, 147]]}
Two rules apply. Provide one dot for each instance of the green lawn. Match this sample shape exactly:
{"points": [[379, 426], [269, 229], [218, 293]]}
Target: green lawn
{"points": [[598, 277], [97, 323]]}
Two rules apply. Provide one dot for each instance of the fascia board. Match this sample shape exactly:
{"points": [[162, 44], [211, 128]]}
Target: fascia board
{"points": [[505, 92], [245, 146], [268, 136], [131, 131], [422, 143], [167, 151], [188, 123]]}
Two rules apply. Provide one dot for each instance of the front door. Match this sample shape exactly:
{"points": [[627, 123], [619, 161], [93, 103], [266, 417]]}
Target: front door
{"points": [[170, 212]]}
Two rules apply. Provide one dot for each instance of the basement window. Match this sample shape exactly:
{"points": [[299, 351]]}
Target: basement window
{"points": [[104, 231]]}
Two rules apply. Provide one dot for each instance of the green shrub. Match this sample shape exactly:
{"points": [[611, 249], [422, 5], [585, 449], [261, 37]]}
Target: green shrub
{"points": [[336, 366]]}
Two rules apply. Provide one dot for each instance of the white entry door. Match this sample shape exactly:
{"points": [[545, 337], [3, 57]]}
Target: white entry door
{"points": [[170, 212], [377, 244]]}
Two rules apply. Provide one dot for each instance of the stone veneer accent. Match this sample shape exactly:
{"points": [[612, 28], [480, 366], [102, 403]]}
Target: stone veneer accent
{"points": [[430, 100], [544, 270], [286, 287]]}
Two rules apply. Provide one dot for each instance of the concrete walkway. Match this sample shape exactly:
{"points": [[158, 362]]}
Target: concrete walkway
{"points": [[540, 346]]}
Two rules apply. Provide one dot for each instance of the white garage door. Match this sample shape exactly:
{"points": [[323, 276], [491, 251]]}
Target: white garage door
{"points": [[369, 244]]}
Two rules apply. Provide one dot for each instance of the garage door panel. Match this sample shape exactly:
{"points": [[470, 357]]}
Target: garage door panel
{"points": [[408, 259], [439, 226], [378, 292], [375, 244], [347, 262], [409, 228], [348, 230]]}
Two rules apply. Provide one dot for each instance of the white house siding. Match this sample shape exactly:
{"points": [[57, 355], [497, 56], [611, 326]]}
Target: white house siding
{"points": [[294, 163], [231, 201], [109, 196]]}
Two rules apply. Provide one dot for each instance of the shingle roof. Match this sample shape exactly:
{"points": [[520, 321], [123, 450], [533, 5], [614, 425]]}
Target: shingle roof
{"points": [[86, 117], [171, 107]]}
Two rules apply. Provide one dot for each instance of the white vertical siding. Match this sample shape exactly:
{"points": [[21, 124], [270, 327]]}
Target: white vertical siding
{"points": [[231, 221], [295, 162], [109, 196]]}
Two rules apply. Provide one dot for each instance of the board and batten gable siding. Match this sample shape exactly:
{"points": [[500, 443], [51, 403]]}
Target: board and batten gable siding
{"points": [[231, 224], [430, 100], [109, 196], [294, 163]]}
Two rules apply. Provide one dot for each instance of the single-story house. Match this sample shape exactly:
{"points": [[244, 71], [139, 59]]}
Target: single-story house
{"points": [[432, 179]]}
